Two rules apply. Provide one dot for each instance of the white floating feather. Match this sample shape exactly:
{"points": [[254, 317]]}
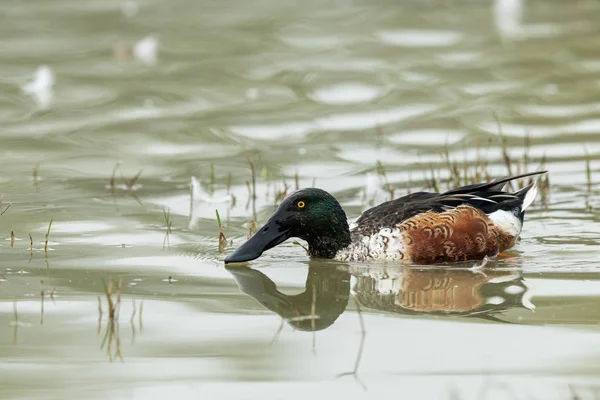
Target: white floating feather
{"points": [[508, 15], [197, 196], [40, 87], [146, 50]]}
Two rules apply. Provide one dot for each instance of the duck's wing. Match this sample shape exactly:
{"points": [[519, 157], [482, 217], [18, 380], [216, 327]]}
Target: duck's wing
{"points": [[393, 212], [485, 197]]}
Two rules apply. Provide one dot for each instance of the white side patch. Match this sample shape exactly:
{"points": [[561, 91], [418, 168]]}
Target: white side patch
{"points": [[387, 244], [530, 196], [507, 221]]}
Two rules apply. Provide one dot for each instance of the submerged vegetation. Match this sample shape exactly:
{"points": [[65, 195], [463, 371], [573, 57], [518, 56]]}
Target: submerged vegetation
{"points": [[222, 238], [47, 236]]}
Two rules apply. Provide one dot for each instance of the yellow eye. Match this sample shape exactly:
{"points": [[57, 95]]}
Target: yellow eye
{"points": [[301, 204]]}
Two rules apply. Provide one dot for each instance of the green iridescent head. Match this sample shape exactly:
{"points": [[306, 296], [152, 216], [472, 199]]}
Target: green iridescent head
{"points": [[309, 214]]}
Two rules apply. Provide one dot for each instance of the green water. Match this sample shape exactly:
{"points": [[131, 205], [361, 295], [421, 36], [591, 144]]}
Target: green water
{"points": [[321, 90]]}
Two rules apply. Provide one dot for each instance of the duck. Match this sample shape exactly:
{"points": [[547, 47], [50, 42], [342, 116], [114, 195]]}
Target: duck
{"points": [[468, 223]]}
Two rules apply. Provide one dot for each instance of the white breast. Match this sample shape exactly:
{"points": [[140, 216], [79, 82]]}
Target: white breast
{"points": [[387, 244]]}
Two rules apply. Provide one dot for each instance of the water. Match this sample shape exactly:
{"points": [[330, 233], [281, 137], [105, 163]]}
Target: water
{"points": [[323, 90]]}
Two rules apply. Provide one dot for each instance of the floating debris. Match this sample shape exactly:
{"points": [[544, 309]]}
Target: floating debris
{"points": [[508, 18], [40, 87], [146, 50], [508, 15]]}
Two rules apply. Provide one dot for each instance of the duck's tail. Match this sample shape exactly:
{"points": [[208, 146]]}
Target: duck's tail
{"points": [[494, 186], [527, 194], [510, 214]]}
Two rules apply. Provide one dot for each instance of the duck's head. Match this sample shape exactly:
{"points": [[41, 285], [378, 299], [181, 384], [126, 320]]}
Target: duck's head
{"points": [[309, 214]]}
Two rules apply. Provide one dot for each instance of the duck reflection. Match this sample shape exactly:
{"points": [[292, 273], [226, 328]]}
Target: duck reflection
{"points": [[325, 298], [442, 291], [398, 289]]}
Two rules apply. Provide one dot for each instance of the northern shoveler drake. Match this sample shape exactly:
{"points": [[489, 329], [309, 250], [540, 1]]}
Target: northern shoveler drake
{"points": [[462, 224]]}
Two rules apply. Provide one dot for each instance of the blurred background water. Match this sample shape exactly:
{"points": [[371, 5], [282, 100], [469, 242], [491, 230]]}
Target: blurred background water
{"points": [[119, 119]]}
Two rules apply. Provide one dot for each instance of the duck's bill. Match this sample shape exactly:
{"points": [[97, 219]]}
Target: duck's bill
{"points": [[267, 237]]}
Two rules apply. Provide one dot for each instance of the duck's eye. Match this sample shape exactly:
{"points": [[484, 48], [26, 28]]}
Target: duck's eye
{"points": [[300, 204]]}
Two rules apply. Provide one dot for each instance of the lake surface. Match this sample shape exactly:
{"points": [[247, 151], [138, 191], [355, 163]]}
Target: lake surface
{"points": [[355, 97]]}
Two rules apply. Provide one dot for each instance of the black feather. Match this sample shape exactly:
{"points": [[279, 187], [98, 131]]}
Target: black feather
{"points": [[495, 185]]}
